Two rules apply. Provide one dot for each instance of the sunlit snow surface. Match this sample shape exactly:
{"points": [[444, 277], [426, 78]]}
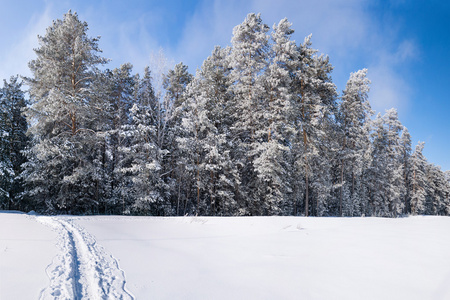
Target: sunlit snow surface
{"points": [[108, 257]]}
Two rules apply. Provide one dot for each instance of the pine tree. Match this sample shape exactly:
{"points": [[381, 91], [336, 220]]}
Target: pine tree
{"points": [[447, 193], [405, 154], [386, 176], [354, 117], [418, 184], [271, 163], [437, 191], [397, 187], [249, 60], [315, 106], [378, 176], [59, 170]]}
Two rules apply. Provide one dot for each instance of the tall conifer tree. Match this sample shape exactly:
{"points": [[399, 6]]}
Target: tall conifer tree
{"points": [[249, 60], [354, 115], [13, 140], [60, 168]]}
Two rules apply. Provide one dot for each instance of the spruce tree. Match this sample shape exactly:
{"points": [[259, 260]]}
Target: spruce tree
{"points": [[120, 97], [175, 83], [140, 164], [206, 140], [13, 127]]}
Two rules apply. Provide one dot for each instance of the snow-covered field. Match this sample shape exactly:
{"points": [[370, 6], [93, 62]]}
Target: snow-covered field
{"points": [[109, 257]]}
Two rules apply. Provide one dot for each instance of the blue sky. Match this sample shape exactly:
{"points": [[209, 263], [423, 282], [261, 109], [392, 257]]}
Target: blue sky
{"points": [[404, 44]]}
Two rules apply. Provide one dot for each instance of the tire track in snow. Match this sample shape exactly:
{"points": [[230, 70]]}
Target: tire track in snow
{"points": [[82, 269]]}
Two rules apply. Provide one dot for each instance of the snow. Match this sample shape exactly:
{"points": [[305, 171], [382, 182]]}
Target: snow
{"points": [[224, 258], [82, 270], [26, 249]]}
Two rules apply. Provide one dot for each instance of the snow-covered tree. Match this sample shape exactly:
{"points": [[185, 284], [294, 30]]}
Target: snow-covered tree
{"points": [[175, 83], [405, 154], [141, 180], [418, 183], [6, 170], [13, 127], [249, 60], [257, 131], [206, 139], [386, 178], [120, 96], [59, 170], [447, 192], [271, 163], [140, 164], [354, 117], [437, 191], [397, 187], [315, 106], [377, 175]]}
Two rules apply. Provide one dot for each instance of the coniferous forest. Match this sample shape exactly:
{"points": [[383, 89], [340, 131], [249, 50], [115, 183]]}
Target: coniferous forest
{"points": [[260, 129]]}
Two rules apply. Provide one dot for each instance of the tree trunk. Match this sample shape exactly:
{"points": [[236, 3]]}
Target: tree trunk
{"points": [[306, 192], [407, 189], [179, 196], [353, 191], [198, 185], [212, 194], [305, 144], [413, 207], [342, 188]]}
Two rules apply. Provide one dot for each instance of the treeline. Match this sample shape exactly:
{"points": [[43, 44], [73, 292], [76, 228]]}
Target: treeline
{"points": [[259, 130]]}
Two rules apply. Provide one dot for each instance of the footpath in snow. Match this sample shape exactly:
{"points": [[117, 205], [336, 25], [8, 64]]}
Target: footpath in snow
{"points": [[82, 269], [223, 258]]}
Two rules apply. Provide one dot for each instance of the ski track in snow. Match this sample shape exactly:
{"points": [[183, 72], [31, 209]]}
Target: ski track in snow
{"points": [[82, 269]]}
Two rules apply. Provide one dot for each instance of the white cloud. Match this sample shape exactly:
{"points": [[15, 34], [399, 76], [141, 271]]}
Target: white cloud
{"points": [[388, 89]]}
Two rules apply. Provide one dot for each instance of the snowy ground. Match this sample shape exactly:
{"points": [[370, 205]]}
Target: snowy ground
{"points": [[108, 257]]}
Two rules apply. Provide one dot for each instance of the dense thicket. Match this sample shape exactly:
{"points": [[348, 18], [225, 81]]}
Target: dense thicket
{"points": [[259, 130]]}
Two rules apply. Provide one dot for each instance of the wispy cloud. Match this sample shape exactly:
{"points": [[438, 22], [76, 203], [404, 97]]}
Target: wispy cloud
{"points": [[347, 30], [14, 60], [389, 87], [212, 24]]}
